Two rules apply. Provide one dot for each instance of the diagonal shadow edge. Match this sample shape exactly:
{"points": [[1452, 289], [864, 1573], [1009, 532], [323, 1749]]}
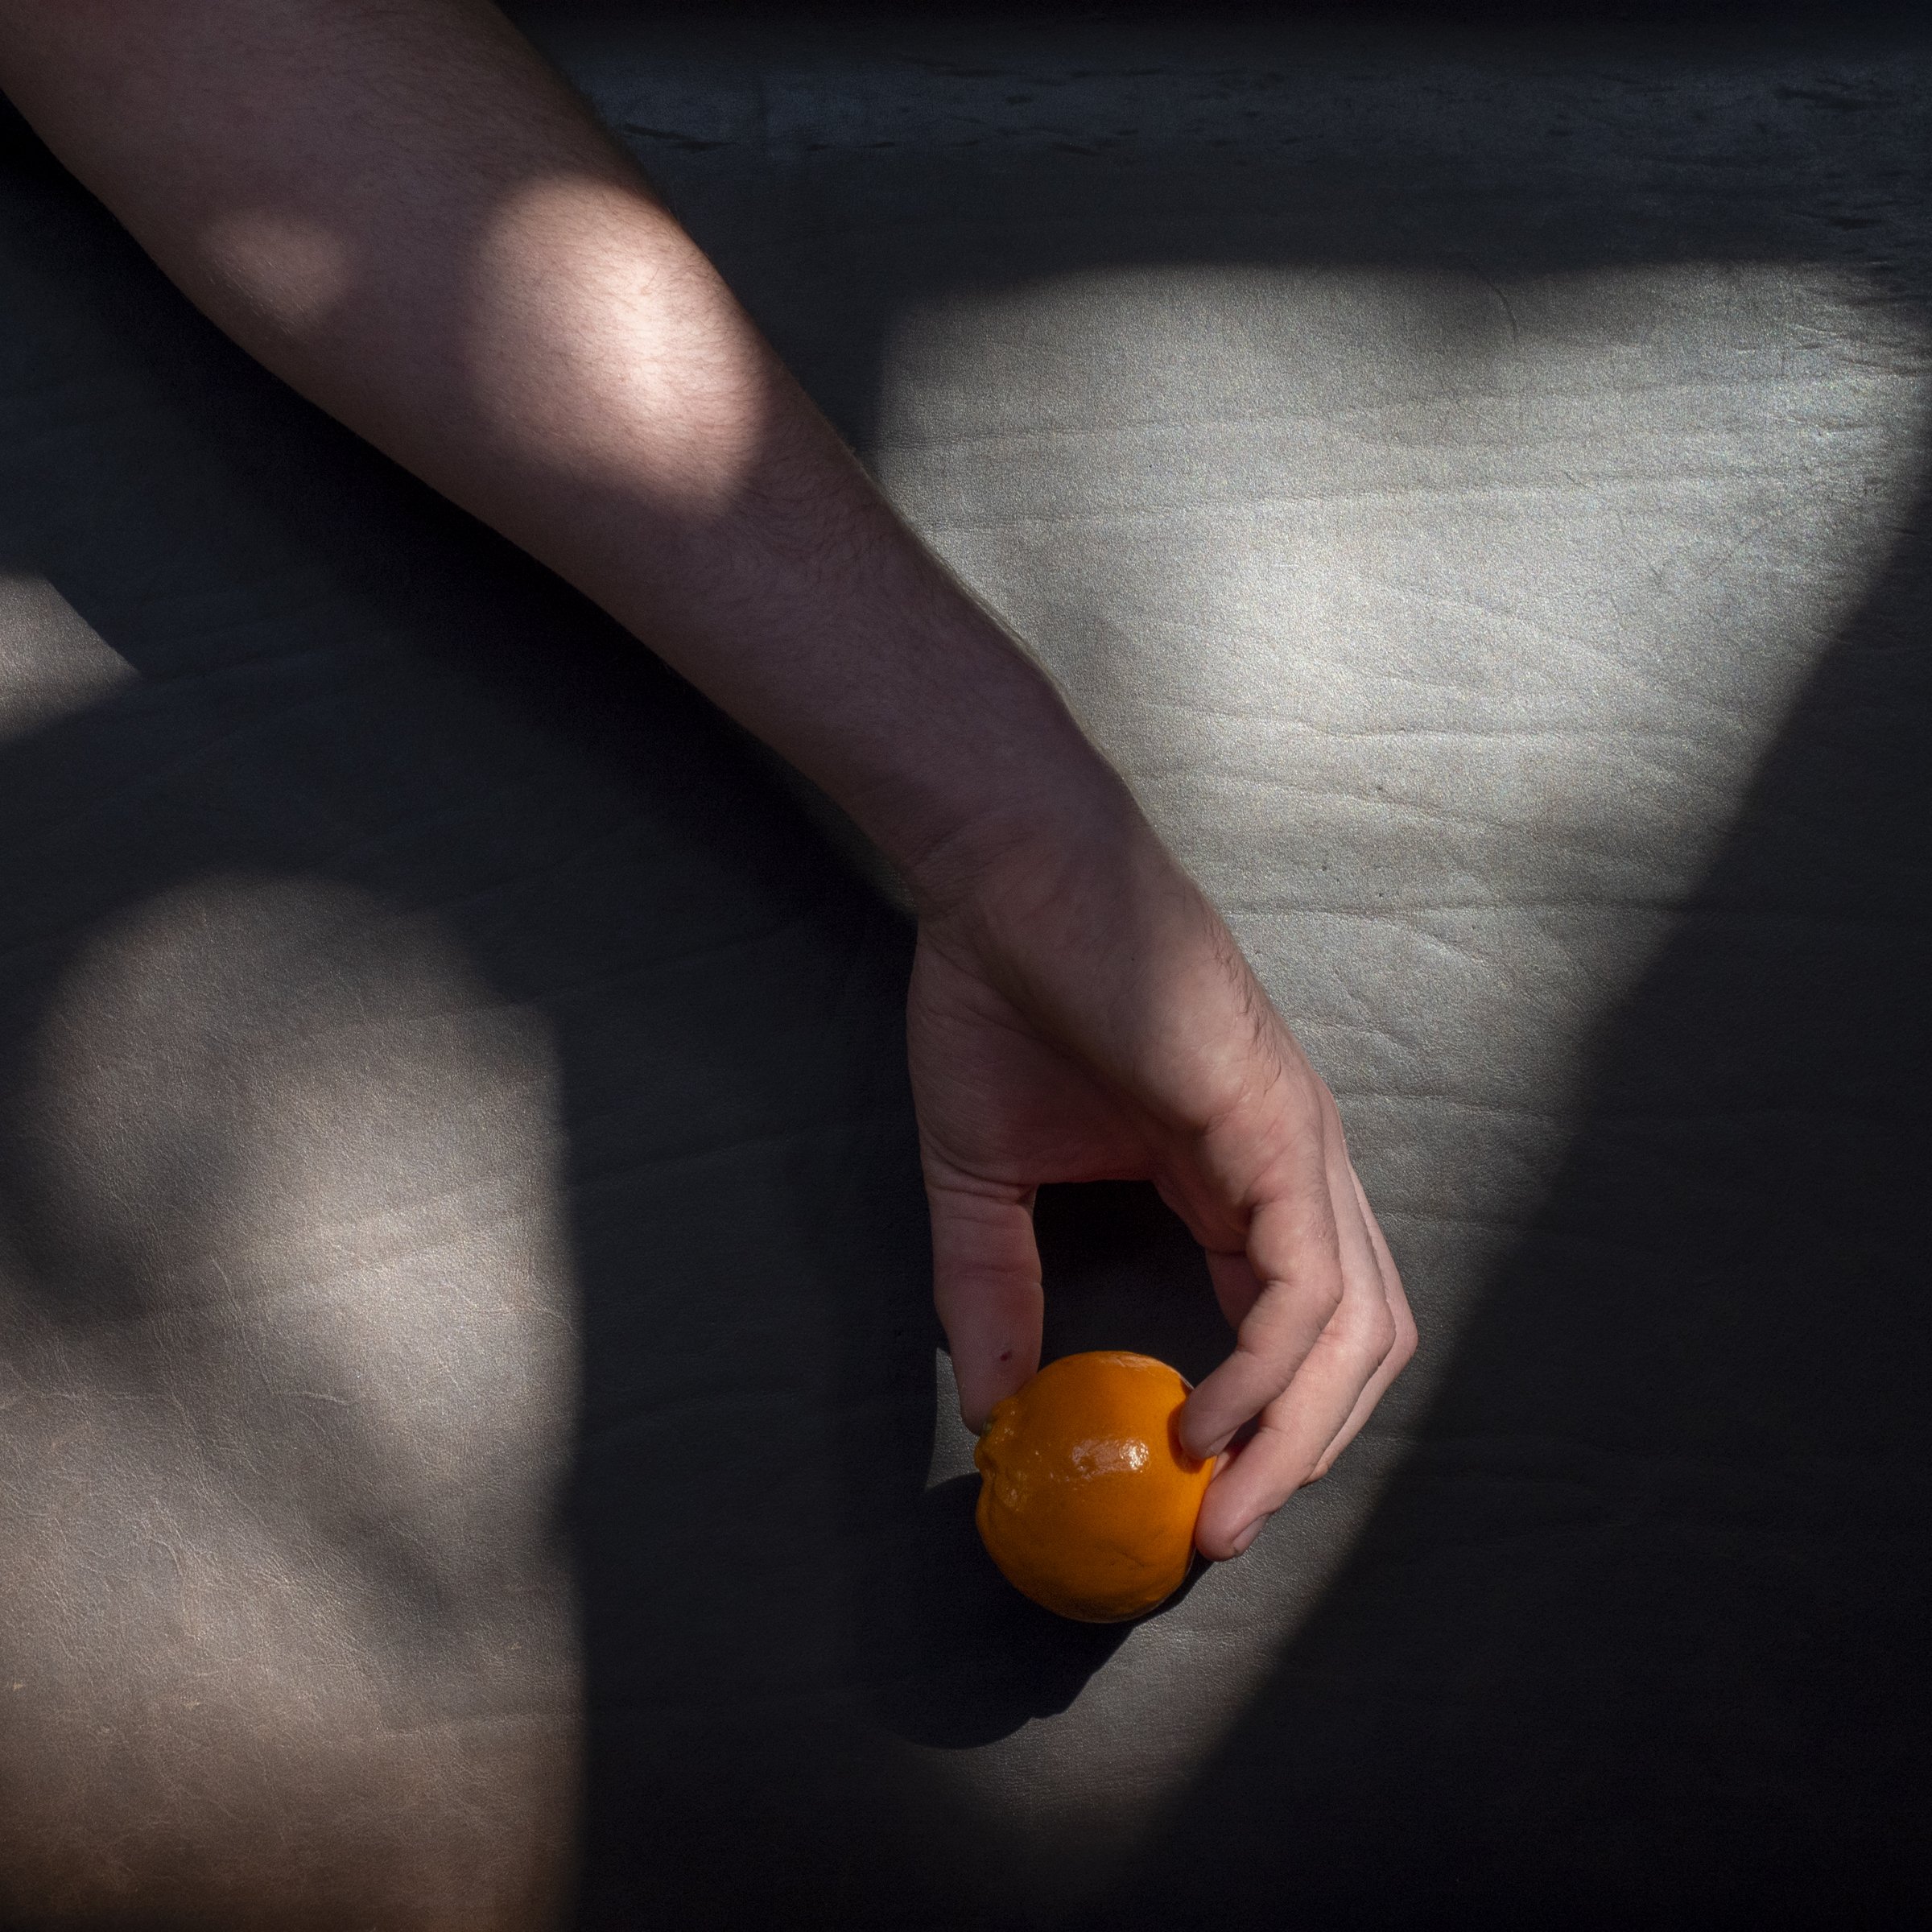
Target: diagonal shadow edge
{"points": [[1689, 1405]]}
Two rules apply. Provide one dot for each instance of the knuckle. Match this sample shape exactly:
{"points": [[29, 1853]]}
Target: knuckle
{"points": [[1380, 1334], [1290, 1315], [1407, 1339], [1319, 1119], [1321, 1097]]}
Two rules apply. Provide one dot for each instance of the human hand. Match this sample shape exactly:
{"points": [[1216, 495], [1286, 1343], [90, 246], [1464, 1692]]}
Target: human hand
{"points": [[1079, 1012], [404, 213]]}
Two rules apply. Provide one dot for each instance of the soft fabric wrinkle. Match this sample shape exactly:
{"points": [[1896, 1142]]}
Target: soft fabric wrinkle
{"points": [[814, 1653]]}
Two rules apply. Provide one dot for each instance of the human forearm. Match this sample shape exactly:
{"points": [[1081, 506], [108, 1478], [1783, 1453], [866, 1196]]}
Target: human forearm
{"points": [[403, 212], [396, 205]]}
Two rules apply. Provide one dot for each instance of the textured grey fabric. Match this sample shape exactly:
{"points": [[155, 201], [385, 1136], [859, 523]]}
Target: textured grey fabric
{"points": [[473, 1439]]}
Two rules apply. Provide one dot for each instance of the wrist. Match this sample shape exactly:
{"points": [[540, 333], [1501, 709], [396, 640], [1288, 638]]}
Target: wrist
{"points": [[999, 821]]}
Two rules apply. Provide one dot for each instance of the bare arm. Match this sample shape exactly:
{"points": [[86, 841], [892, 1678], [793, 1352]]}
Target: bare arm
{"points": [[400, 209], [404, 213]]}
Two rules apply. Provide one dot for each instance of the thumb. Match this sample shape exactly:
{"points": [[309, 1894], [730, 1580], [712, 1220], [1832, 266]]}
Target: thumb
{"points": [[986, 1286]]}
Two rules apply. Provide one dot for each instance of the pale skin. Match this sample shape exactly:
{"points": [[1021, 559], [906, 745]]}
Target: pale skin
{"points": [[400, 209]]}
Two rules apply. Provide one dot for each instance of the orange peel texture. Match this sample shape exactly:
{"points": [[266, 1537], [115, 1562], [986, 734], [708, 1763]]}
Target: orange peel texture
{"points": [[1088, 1500]]}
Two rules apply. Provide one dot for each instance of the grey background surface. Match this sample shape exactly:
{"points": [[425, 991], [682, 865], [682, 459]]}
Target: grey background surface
{"points": [[475, 1452]]}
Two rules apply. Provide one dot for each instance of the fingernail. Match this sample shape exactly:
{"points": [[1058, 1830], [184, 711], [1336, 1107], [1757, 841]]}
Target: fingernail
{"points": [[1247, 1535]]}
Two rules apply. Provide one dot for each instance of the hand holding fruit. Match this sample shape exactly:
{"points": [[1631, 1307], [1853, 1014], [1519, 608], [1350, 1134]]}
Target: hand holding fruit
{"points": [[1079, 1012]]}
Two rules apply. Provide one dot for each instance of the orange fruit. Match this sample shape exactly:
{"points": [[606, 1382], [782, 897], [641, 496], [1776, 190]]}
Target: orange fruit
{"points": [[1089, 1500]]}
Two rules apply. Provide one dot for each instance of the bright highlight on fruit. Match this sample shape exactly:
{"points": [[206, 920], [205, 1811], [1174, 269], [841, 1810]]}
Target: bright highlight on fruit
{"points": [[1088, 1501]]}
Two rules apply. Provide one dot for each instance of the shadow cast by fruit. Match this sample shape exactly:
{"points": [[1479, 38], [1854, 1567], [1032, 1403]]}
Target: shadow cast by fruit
{"points": [[956, 1656]]}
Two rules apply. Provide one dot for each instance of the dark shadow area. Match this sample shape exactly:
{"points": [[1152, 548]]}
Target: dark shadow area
{"points": [[1639, 1632], [1126, 1275], [344, 683], [958, 1657]]}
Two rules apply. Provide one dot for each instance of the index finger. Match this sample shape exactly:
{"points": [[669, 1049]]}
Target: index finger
{"points": [[1295, 1252]]}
